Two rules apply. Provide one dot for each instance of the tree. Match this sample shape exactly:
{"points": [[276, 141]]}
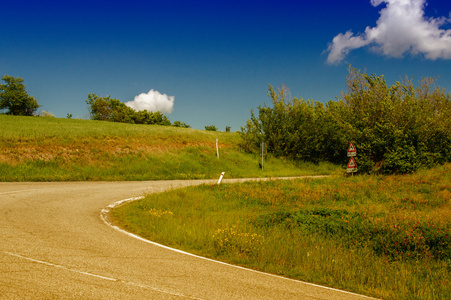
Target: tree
{"points": [[15, 98], [109, 109], [295, 128]]}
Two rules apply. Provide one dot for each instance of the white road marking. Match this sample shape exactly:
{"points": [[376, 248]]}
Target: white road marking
{"points": [[105, 211], [98, 276], [21, 191], [59, 266]]}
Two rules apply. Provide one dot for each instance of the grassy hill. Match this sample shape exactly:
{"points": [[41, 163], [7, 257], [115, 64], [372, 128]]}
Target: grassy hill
{"points": [[51, 149]]}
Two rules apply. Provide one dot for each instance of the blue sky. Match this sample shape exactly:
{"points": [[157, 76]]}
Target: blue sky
{"points": [[216, 58]]}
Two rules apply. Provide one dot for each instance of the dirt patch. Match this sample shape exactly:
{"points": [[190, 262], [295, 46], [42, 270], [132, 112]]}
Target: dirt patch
{"points": [[89, 149]]}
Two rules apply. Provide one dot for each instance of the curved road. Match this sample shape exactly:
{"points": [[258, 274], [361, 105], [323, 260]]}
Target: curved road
{"points": [[55, 245]]}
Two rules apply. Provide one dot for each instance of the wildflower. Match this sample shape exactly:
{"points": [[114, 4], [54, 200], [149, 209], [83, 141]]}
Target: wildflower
{"points": [[159, 213]]}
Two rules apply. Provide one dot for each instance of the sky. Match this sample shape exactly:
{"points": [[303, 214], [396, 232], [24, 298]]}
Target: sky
{"points": [[210, 62]]}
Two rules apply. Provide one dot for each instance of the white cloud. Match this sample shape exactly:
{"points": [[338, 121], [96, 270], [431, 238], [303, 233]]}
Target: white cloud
{"points": [[152, 101], [401, 29]]}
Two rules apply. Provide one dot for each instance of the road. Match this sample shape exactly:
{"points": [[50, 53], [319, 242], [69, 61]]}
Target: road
{"points": [[55, 245]]}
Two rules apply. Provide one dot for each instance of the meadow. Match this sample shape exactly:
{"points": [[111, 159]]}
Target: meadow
{"points": [[382, 236], [51, 149]]}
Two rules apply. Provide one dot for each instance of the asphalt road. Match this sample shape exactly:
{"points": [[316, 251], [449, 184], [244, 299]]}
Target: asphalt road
{"points": [[55, 245]]}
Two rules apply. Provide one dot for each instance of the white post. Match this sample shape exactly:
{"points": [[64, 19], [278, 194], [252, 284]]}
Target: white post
{"points": [[217, 149], [220, 178]]}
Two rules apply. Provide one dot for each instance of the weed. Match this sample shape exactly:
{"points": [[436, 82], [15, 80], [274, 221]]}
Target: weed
{"points": [[159, 213], [231, 239]]}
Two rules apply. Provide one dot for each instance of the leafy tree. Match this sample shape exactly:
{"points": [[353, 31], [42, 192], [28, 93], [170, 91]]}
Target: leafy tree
{"points": [[15, 98], [294, 128], [103, 108]]}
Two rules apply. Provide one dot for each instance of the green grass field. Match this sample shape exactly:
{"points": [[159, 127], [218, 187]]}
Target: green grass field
{"points": [[387, 237], [50, 149]]}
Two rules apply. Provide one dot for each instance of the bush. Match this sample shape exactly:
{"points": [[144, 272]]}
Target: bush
{"points": [[211, 128], [296, 128], [180, 124], [396, 129]]}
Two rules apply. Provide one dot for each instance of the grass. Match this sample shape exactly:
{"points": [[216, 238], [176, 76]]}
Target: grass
{"points": [[387, 237], [50, 149]]}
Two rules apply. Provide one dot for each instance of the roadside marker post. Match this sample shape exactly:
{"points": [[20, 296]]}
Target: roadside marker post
{"points": [[263, 147], [220, 178], [217, 149]]}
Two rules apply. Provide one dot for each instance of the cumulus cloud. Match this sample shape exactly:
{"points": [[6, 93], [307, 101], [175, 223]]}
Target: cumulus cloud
{"points": [[152, 101], [402, 29]]}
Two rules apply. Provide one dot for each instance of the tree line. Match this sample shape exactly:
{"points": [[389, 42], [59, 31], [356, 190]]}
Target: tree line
{"points": [[396, 128], [14, 100], [113, 110]]}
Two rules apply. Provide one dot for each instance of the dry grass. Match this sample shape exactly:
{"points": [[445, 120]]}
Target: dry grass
{"points": [[16, 152]]}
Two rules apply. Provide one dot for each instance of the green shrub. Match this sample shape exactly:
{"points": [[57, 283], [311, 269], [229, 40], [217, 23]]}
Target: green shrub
{"points": [[396, 129], [211, 128]]}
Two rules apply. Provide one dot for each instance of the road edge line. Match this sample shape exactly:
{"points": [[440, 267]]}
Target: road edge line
{"points": [[104, 216]]}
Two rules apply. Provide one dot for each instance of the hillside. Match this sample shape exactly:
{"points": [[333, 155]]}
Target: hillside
{"points": [[51, 149]]}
